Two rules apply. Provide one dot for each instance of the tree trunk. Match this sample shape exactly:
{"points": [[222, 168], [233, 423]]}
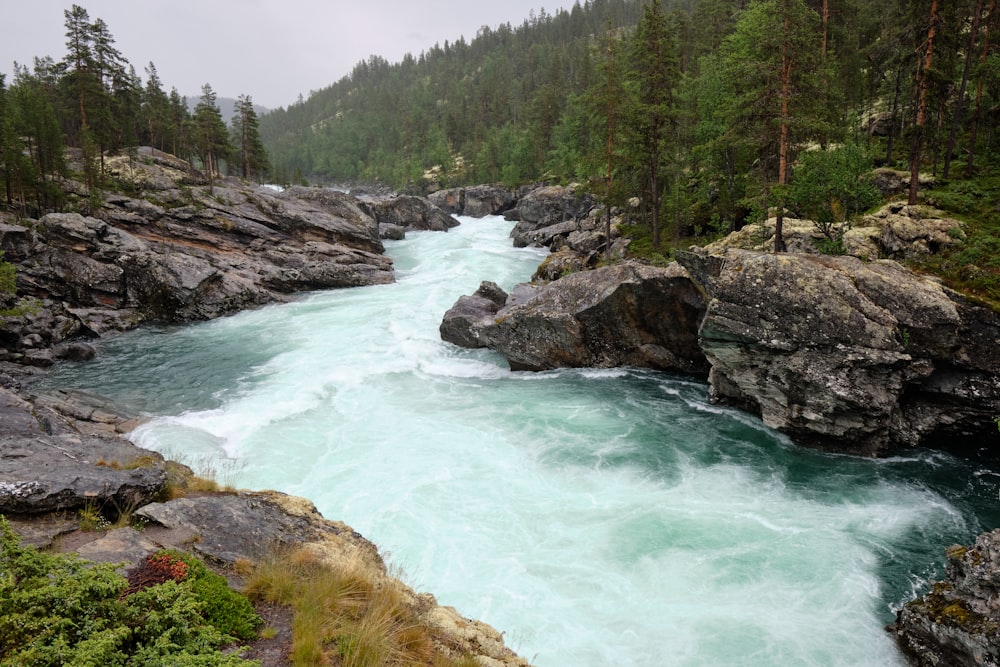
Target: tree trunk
{"points": [[892, 118], [611, 134], [826, 26], [654, 202], [960, 105], [786, 84], [973, 131], [923, 85]]}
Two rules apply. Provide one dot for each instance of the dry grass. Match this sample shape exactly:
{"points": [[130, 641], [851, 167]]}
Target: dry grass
{"points": [[346, 615]]}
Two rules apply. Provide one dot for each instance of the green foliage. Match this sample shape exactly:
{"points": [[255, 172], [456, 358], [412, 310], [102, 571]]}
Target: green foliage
{"points": [[228, 611], [831, 186], [60, 610], [8, 284], [972, 266], [642, 246]]}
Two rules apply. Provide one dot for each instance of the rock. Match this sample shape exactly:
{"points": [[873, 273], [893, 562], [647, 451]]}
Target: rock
{"points": [[561, 263], [475, 202], [957, 623], [193, 255], [895, 230], [76, 351], [391, 232], [48, 465], [849, 356], [891, 182], [470, 315], [56, 473], [623, 315], [410, 213], [550, 212], [914, 231], [226, 528]]}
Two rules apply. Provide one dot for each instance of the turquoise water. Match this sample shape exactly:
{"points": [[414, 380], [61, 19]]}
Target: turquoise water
{"points": [[595, 517]]}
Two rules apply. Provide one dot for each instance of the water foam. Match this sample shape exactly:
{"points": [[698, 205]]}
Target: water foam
{"points": [[597, 517]]}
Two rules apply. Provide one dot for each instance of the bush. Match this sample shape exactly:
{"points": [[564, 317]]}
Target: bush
{"points": [[61, 610], [830, 186], [7, 277]]}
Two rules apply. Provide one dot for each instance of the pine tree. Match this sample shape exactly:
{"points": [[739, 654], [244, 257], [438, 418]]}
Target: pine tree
{"points": [[650, 127], [775, 98], [209, 134], [246, 137]]}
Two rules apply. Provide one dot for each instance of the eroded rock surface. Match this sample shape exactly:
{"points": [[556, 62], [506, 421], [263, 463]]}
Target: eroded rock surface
{"points": [[957, 623], [476, 201], [623, 315], [52, 468], [183, 251], [853, 356]]}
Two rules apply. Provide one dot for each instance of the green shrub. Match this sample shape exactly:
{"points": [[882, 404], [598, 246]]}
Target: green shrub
{"points": [[61, 610], [230, 613], [7, 276]]}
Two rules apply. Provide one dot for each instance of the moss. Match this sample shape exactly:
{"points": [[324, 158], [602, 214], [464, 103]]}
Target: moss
{"points": [[942, 607]]}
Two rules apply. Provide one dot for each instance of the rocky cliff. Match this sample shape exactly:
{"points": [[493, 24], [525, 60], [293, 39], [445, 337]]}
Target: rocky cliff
{"points": [[852, 356], [62, 458], [177, 250], [855, 356], [957, 623]]}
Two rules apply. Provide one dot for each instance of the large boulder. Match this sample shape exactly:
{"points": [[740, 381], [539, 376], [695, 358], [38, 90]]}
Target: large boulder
{"points": [[550, 212], [45, 466], [849, 355], [622, 315], [472, 314], [957, 622], [409, 212], [476, 202], [193, 254]]}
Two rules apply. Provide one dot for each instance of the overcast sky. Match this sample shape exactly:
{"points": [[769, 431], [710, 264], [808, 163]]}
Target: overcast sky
{"points": [[272, 50]]}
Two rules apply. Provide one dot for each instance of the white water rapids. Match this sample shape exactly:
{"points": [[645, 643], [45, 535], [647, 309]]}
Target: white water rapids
{"points": [[595, 517]]}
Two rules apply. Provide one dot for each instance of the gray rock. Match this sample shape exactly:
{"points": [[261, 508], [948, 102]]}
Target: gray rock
{"points": [[410, 213], [55, 473], [848, 355], [391, 232], [957, 622], [623, 315], [230, 527], [475, 202], [120, 545], [46, 465]]}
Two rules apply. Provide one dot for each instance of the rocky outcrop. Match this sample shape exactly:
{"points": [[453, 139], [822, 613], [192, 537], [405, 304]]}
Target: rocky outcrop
{"points": [[185, 252], [408, 212], [623, 315], [61, 459], [547, 215], [46, 466], [476, 202], [465, 322], [896, 231], [957, 623], [848, 355]]}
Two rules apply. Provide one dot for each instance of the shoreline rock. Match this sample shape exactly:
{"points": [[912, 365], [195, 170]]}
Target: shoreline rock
{"points": [[62, 454], [957, 622]]}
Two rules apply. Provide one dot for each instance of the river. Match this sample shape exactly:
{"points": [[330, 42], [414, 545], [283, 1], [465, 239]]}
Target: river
{"points": [[596, 517]]}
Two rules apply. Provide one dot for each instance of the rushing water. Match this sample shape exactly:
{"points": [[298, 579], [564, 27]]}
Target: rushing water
{"points": [[596, 517]]}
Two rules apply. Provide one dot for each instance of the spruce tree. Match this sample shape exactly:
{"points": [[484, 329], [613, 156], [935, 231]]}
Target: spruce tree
{"points": [[209, 135], [246, 138]]}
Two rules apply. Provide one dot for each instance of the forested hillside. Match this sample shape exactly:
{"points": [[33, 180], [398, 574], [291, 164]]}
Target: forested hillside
{"points": [[94, 101], [702, 107]]}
